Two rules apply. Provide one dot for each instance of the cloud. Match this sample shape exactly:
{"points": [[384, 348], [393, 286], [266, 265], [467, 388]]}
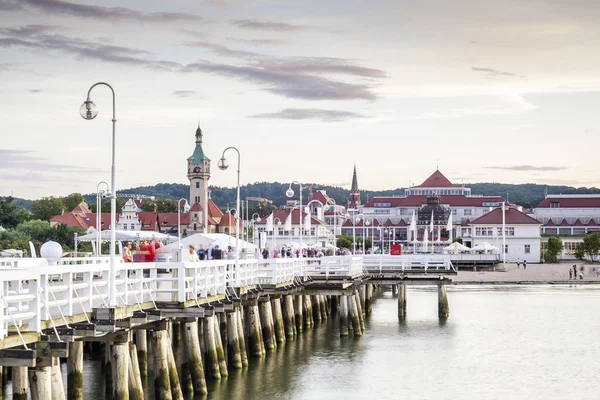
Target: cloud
{"points": [[305, 65], [492, 72], [299, 86], [25, 160], [260, 42], [35, 90], [312, 113], [182, 94], [528, 168], [220, 3], [255, 24], [224, 50], [62, 7]]}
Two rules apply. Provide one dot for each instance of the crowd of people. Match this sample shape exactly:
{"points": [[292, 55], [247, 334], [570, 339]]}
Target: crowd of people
{"points": [[145, 251]]}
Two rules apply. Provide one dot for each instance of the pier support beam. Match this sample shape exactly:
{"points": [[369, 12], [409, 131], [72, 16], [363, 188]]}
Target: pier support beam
{"points": [[369, 299], [443, 307], [353, 311], [269, 311], [316, 307], [40, 382], [343, 300], [241, 338], [307, 311], [141, 343], [299, 304], [267, 328], [136, 388], [233, 344], [58, 389], [75, 371], [19, 383], [394, 290], [323, 305], [359, 310], [193, 357], [108, 378], [254, 331], [120, 370], [212, 360], [401, 289], [162, 384], [220, 350], [362, 291], [279, 327], [176, 391], [288, 316]]}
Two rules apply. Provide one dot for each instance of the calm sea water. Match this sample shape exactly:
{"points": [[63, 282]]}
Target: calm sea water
{"points": [[533, 342]]}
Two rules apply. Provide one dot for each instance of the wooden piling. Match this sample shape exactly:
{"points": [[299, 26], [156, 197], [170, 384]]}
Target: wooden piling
{"points": [[359, 310], [394, 290], [316, 308], [193, 357], [223, 330], [308, 313], [343, 300], [269, 311], [75, 371], [241, 338], [354, 318], [267, 329], [279, 326], [174, 381], [56, 381], [120, 370], [254, 330], [362, 292], [443, 307], [136, 388], [235, 358], [162, 383], [401, 289], [40, 383], [323, 305], [19, 383], [212, 359], [141, 343], [298, 305], [220, 351], [288, 316], [108, 378], [369, 299], [334, 304]]}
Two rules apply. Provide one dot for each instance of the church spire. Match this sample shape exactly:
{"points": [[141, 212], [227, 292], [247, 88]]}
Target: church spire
{"points": [[354, 192], [199, 134], [354, 187]]}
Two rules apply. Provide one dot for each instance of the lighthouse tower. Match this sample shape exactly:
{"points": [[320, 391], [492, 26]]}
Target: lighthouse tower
{"points": [[199, 173]]}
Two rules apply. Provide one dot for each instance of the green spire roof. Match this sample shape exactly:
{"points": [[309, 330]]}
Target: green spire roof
{"points": [[198, 156]]}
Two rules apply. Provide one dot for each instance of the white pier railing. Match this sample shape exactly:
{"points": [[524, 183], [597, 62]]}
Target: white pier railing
{"points": [[382, 263], [344, 266]]}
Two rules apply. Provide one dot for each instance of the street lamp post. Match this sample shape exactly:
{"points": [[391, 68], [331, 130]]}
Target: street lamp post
{"points": [[273, 237], [370, 222], [387, 233], [99, 194], [254, 219], [89, 111], [290, 193], [355, 219], [223, 165], [186, 208]]}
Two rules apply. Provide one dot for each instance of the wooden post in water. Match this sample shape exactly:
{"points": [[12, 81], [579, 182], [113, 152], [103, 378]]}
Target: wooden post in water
{"points": [[108, 378], [323, 305], [223, 331], [162, 383], [298, 304], [254, 330], [269, 311], [75, 371], [212, 359], [58, 389], [241, 338], [343, 315], [369, 298], [394, 290], [141, 343], [334, 304], [359, 311], [40, 382], [362, 291], [401, 288], [308, 313], [136, 388], [353, 311], [279, 327], [235, 358], [220, 351], [316, 308], [443, 307], [120, 370], [19, 383], [267, 328], [288, 315], [176, 391], [193, 357], [201, 338]]}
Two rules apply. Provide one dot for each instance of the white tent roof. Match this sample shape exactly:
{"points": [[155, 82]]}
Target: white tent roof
{"points": [[457, 246], [127, 235], [211, 240], [484, 246]]}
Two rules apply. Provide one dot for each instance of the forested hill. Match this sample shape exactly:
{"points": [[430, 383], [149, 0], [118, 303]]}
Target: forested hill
{"points": [[527, 195]]}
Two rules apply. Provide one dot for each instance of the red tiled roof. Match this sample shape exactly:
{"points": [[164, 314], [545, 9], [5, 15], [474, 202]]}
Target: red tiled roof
{"points": [[228, 219], [196, 207], [437, 179], [389, 223], [550, 223], [564, 222], [512, 216], [82, 208], [578, 223], [402, 223], [418, 200], [149, 220], [319, 196], [571, 202], [168, 220], [213, 210], [592, 223]]}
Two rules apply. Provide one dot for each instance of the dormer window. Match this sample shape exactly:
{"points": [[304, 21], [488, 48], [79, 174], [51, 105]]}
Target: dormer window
{"points": [[554, 204]]}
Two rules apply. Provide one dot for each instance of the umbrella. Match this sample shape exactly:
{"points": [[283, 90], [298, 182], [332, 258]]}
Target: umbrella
{"points": [[485, 246], [456, 247]]}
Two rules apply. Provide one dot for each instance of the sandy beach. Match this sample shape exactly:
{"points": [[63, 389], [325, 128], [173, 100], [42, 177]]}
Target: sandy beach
{"points": [[535, 273]]}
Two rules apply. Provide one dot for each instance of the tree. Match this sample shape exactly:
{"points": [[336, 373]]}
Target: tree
{"points": [[344, 241], [72, 201], [555, 246], [47, 208], [11, 215], [457, 239], [591, 246]]}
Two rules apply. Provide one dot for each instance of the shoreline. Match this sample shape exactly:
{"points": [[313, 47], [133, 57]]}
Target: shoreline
{"points": [[516, 283]]}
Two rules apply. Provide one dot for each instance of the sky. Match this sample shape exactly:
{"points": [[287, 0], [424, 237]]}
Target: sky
{"points": [[494, 91]]}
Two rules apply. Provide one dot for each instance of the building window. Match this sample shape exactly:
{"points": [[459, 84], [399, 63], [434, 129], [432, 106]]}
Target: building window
{"points": [[527, 249], [197, 185], [467, 211], [554, 204], [505, 249], [132, 227], [510, 231], [124, 227]]}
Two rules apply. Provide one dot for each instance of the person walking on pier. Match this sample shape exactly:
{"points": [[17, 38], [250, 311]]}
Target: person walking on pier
{"points": [[127, 257], [193, 254], [518, 263], [570, 274], [575, 271], [201, 253], [524, 264]]}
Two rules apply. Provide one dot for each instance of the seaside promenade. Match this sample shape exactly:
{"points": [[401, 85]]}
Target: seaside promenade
{"points": [[534, 274]]}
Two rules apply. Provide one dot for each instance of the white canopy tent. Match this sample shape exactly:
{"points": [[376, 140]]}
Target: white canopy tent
{"points": [[456, 248], [211, 240], [485, 246], [128, 236]]}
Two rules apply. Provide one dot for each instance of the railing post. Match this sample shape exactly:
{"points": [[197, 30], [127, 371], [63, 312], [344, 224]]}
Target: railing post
{"points": [[181, 282], [67, 279], [34, 306], [87, 291], [43, 295]]}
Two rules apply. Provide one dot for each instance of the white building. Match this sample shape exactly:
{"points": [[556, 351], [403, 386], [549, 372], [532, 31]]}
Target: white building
{"points": [[522, 234], [128, 220], [318, 235], [322, 207]]}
